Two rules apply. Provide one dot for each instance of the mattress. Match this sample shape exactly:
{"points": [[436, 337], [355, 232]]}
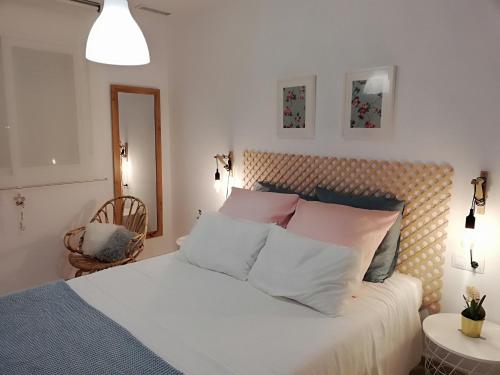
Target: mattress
{"points": [[203, 322]]}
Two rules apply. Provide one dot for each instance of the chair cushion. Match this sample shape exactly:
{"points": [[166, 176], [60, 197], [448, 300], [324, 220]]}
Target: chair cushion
{"points": [[96, 236], [116, 246]]}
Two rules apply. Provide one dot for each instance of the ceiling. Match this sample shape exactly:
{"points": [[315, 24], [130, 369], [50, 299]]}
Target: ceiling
{"points": [[177, 6], [170, 6], [180, 6]]}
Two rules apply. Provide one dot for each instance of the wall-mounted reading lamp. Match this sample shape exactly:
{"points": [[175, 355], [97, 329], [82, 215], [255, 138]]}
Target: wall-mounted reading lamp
{"points": [[124, 163], [227, 163], [124, 150], [478, 204]]}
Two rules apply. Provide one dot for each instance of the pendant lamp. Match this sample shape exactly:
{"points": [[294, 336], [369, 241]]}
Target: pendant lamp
{"points": [[115, 37]]}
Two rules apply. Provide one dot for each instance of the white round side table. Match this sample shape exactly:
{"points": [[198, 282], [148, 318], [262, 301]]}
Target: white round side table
{"points": [[448, 351]]}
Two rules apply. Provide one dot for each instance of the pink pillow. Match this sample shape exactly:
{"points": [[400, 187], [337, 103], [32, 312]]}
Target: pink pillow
{"points": [[262, 207], [360, 229]]}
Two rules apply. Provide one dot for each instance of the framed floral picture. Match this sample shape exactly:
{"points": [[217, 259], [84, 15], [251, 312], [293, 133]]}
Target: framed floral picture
{"points": [[369, 103], [296, 107]]}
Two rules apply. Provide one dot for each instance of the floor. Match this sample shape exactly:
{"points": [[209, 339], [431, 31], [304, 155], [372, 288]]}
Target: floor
{"points": [[419, 370]]}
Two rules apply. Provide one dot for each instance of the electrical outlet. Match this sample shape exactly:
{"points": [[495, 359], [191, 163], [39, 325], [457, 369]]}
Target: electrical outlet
{"points": [[462, 262]]}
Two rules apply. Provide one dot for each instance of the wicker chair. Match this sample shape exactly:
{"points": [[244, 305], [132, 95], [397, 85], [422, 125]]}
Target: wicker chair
{"points": [[127, 211]]}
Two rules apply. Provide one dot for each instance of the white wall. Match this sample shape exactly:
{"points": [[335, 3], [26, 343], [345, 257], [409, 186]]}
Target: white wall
{"points": [[224, 66], [37, 255]]}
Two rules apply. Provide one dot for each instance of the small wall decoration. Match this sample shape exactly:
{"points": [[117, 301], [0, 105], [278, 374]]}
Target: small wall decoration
{"points": [[369, 103], [296, 107]]}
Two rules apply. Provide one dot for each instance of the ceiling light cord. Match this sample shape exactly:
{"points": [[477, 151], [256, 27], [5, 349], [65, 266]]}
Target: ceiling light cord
{"points": [[89, 3]]}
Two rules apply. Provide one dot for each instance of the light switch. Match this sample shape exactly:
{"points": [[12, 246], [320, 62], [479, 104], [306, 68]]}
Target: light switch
{"points": [[462, 262]]}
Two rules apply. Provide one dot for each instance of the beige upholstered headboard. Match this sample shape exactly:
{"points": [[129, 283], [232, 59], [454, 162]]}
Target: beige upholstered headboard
{"points": [[426, 189]]}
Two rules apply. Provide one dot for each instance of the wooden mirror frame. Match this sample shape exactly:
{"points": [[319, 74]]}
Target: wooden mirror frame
{"points": [[115, 134]]}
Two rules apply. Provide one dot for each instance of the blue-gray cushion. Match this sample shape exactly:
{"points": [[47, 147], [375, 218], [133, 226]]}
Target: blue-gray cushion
{"points": [[273, 188], [116, 247], [385, 259]]}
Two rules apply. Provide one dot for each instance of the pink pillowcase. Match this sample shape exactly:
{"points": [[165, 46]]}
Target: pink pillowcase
{"points": [[360, 229], [263, 207]]}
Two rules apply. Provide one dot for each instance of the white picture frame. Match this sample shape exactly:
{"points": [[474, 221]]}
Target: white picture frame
{"points": [[369, 103], [298, 120]]}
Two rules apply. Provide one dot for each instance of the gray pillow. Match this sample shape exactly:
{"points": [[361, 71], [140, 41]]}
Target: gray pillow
{"points": [[273, 188], [386, 257], [116, 246]]}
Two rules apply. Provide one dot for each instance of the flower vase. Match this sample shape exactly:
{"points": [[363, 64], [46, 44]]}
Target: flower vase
{"points": [[472, 328]]}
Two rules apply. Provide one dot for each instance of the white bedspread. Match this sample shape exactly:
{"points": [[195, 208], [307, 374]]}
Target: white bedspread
{"points": [[206, 323]]}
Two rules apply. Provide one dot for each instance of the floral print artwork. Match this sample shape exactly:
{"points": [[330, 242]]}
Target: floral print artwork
{"points": [[294, 107], [366, 109]]}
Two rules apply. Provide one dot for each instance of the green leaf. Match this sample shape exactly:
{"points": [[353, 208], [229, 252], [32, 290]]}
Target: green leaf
{"points": [[466, 313], [481, 302], [473, 304]]}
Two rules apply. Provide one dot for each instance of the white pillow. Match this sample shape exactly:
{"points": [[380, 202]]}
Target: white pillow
{"points": [[314, 273], [95, 237], [220, 243]]}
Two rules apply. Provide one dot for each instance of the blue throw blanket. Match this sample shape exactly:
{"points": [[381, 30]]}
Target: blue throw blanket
{"points": [[51, 330]]}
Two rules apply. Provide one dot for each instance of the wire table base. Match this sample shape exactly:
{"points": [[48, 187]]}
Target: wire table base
{"points": [[439, 361]]}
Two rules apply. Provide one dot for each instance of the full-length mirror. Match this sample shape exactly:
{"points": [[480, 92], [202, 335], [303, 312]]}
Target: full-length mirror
{"points": [[136, 130]]}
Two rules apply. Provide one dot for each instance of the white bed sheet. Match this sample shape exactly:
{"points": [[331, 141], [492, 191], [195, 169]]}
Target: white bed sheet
{"points": [[206, 323]]}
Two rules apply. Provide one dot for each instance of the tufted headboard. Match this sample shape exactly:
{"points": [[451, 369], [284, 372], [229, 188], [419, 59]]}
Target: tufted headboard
{"points": [[425, 188]]}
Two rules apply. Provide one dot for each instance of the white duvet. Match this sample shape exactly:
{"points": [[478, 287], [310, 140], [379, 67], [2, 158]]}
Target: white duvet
{"points": [[207, 323]]}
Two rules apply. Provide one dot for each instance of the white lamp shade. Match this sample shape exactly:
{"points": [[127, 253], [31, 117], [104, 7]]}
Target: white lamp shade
{"points": [[115, 37]]}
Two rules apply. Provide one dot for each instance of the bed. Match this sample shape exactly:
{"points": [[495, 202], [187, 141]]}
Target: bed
{"points": [[204, 322]]}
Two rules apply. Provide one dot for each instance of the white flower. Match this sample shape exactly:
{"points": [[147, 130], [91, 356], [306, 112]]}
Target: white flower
{"points": [[473, 293]]}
